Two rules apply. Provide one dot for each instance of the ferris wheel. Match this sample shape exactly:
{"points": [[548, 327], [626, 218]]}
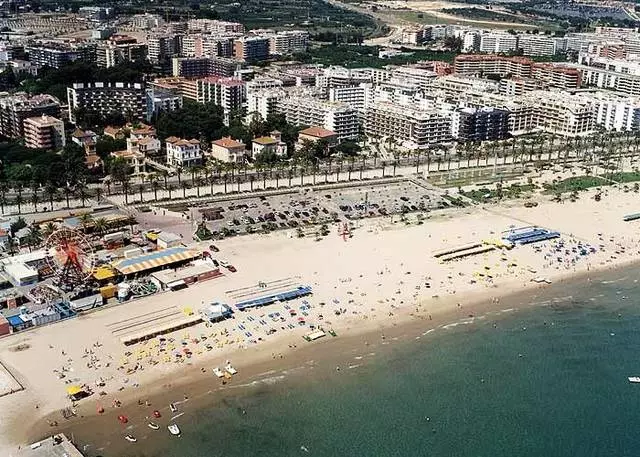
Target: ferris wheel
{"points": [[70, 256]]}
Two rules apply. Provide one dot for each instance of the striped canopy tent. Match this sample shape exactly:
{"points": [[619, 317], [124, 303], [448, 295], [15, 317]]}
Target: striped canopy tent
{"points": [[153, 260]]}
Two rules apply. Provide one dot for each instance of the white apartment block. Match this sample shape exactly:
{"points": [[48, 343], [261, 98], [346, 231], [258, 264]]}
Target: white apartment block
{"points": [[335, 116], [397, 91], [561, 113], [496, 43], [606, 79], [358, 97], [409, 127], [541, 45], [146, 21], [288, 42], [420, 76], [106, 98], [214, 26], [229, 93], [615, 112], [342, 77], [264, 102], [44, 132], [470, 42], [628, 67], [183, 153]]}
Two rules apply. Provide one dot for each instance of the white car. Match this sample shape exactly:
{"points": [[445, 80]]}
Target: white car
{"points": [[218, 372]]}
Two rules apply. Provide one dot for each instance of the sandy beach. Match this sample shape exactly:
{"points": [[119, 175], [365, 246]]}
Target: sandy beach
{"points": [[384, 276]]}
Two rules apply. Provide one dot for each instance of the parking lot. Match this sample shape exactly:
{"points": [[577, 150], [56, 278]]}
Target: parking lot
{"points": [[308, 208]]}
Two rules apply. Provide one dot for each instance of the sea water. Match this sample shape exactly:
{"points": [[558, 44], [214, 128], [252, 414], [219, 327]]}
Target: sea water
{"points": [[542, 380]]}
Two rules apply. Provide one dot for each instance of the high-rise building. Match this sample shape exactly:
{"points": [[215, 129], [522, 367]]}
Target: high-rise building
{"points": [[480, 124], [200, 67], [44, 132], [251, 48], [498, 43], [55, 55], [409, 127], [335, 116], [228, 93], [120, 49], [288, 42], [16, 108], [128, 99]]}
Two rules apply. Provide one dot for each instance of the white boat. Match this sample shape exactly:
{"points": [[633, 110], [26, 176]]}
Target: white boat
{"points": [[634, 379], [218, 372], [130, 438], [229, 369], [173, 407], [174, 430], [153, 426]]}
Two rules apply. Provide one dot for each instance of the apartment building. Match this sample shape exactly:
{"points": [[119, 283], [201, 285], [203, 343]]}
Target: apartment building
{"points": [[200, 67], [55, 55], [102, 98], [615, 112], [162, 100], [411, 128], [496, 43], [117, 51], [513, 87], [162, 47], [251, 48], [471, 42], [557, 76], [541, 45], [214, 27], [14, 109], [187, 88], [399, 92], [420, 76], [605, 79], [182, 153], [480, 124], [563, 114], [44, 132], [146, 21], [228, 93], [474, 64], [264, 102], [288, 42], [334, 116], [416, 35], [358, 97], [335, 76]]}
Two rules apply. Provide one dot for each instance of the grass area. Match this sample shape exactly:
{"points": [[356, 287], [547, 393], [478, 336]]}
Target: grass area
{"points": [[623, 177], [481, 14], [430, 19], [575, 184], [352, 56]]}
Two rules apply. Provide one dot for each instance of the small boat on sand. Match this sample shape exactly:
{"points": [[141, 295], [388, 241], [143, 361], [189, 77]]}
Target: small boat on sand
{"points": [[173, 407], [174, 429], [634, 379], [229, 369], [153, 426], [130, 438], [218, 372]]}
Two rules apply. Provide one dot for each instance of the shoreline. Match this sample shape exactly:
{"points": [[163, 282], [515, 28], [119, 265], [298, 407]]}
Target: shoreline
{"points": [[319, 359], [395, 289]]}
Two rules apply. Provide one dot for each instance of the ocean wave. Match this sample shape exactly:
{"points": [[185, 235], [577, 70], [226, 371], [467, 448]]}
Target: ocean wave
{"points": [[624, 278], [429, 331]]}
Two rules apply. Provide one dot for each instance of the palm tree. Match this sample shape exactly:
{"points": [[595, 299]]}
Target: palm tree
{"points": [[82, 192], [18, 201], [49, 228], [52, 193], [35, 200], [184, 185], [34, 236], [85, 220], [251, 179], [155, 185], [165, 176], [141, 189], [197, 182], [67, 194], [290, 172], [126, 186], [179, 174], [169, 188], [98, 194], [107, 181], [100, 225]]}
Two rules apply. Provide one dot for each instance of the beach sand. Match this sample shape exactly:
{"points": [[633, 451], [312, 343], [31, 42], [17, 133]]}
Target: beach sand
{"points": [[384, 277]]}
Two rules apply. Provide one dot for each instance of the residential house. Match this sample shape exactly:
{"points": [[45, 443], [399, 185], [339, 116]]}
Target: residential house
{"points": [[117, 133], [183, 153], [143, 140], [86, 139], [269, 145], [134, 159], [314, 134], [228, 150]]}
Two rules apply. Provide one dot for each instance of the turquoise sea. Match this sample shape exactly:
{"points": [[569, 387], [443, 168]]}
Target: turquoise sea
{"points": [[544, 380]]}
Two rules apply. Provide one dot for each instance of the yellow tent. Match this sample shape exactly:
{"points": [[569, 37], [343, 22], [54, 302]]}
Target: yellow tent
{"points": [[74, 390]]}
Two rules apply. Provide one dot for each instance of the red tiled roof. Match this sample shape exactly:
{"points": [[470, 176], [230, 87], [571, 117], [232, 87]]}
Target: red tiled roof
{"points": [[318, 132], [227, 142]]}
